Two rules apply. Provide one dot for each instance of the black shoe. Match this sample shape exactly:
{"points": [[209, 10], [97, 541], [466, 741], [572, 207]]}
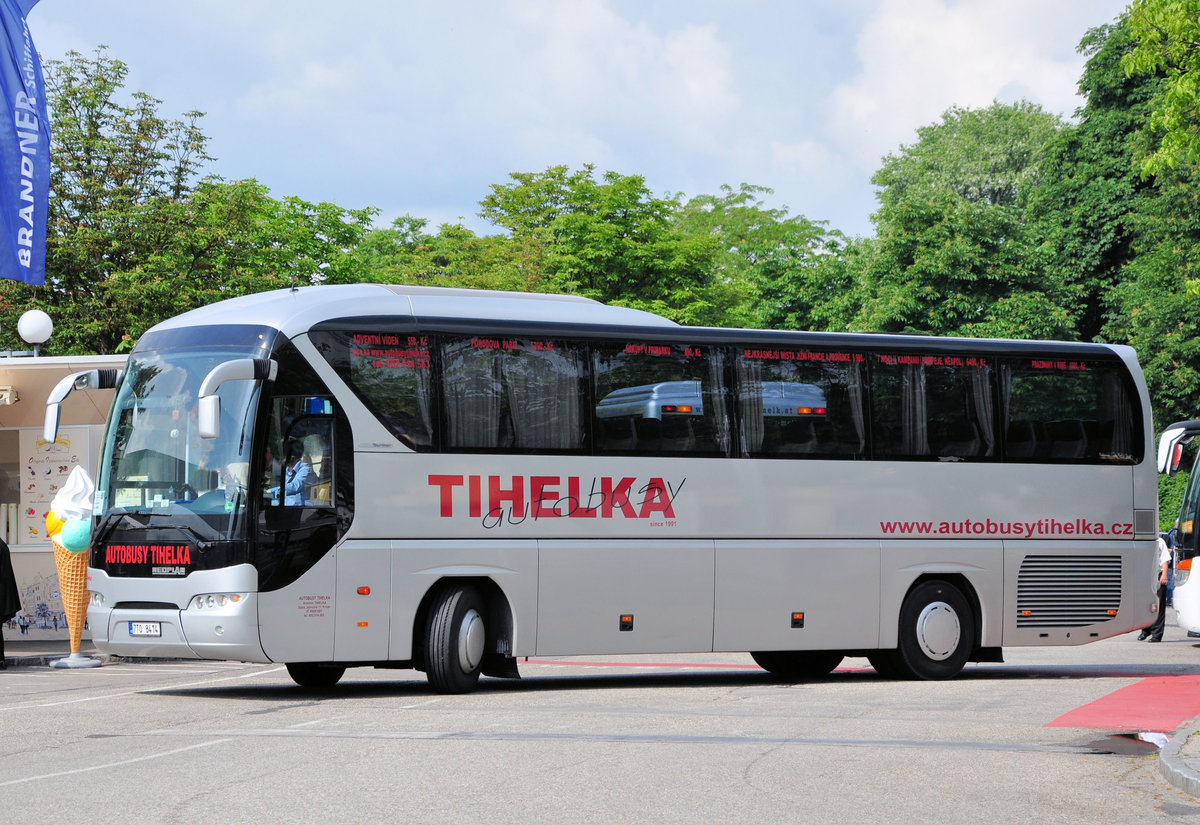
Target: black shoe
{"points": [[1142, 636], [1192, 634], [1156, 638]]}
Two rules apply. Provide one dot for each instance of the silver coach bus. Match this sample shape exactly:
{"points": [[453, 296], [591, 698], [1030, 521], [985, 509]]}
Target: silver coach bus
{"points": [[405, 477]]}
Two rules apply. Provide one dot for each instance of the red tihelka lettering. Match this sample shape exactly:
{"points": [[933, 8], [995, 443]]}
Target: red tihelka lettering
{"points": [[447, 485]]}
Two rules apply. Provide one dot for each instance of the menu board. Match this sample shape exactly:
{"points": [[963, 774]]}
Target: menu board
{"points": [[44, 470]]}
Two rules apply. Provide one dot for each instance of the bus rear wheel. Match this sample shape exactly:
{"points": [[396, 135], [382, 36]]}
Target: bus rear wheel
{"points": [[315, 674], [455, 639], [798, 664], [937, 632]]}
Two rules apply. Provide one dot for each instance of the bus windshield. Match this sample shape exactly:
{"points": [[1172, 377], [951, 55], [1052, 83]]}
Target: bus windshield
{"points": [[155, 464]]}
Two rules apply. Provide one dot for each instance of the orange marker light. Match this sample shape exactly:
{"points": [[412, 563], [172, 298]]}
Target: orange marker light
{"points": [[364, 591], [363, 624]]}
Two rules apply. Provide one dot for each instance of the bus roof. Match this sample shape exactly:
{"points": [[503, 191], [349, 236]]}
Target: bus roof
{"points": [[293, 311], [296, 311]]}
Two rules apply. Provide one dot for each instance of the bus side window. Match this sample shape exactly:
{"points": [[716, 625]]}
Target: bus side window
{"points": [[801, 403], [935, 407], [1061, 411], [659, 399], [512, 394]]}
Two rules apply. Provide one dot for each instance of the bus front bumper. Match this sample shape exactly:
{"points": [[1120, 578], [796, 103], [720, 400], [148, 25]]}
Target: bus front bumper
{"points": [[220, 626]]}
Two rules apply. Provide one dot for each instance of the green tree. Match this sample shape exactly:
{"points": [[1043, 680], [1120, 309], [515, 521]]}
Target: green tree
{"points": [[954, 252], [945, 265], [609, 239], [225, 240], [990, 156], [1089, 187], [109, 161], [454, 256], [135, 235], [763, 256], [1167, 37], [1154, 302]]}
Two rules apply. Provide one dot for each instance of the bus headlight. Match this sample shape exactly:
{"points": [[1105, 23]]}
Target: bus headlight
{"points": [[97, 599], [216, 601], [1182, 571]]}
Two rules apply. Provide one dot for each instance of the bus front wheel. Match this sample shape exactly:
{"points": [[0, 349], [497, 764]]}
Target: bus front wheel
{"points": [[937, 632], [455, 639], [314, 675], [798, 664]]}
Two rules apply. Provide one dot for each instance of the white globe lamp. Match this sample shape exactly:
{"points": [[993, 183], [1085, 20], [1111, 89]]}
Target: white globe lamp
{"points": [[35, 327]]}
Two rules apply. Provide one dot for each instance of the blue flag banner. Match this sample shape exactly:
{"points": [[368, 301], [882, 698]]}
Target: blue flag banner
{"points": [[24, 150]]}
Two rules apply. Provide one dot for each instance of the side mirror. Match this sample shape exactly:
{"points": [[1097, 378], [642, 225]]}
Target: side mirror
{"points": [[208, 412], [1170, 445], [50, 428], [105, 379], [209, 416]]}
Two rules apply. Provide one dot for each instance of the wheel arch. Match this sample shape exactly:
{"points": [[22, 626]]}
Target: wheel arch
{"points": [[889, 635], [498, 619]]}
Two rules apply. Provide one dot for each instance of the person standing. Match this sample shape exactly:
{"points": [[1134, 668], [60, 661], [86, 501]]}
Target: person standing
{"points": [[10, 597], [1155, 631]]}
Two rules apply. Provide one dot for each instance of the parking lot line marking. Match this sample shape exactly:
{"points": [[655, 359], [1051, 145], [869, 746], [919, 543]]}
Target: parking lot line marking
{"points": [[108, 765]]}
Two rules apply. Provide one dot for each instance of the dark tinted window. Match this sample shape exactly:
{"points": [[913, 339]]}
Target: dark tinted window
{"points": [[391, 373], [932, 407], [1059, 410], [659, 399], [801, 403], [512, 394]]}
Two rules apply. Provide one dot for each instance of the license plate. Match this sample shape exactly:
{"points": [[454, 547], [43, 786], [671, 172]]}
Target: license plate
{"points": [[145, 628]]}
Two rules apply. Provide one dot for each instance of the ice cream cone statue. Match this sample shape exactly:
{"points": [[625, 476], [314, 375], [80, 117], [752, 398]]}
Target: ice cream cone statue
{"points": [[69, 525]]}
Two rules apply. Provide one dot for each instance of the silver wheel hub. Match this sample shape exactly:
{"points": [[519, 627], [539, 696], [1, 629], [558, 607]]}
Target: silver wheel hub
{"points": [[938, 631], [471, 638]]}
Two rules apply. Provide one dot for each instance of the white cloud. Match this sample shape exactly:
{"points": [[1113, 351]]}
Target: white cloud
{"points": [[803, 159], [919, 57], [419, 107], [593, 67]]}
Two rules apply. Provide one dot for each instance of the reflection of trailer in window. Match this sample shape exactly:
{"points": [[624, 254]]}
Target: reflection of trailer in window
{"points": [[790, 400], [791, 415], [661, 416]]}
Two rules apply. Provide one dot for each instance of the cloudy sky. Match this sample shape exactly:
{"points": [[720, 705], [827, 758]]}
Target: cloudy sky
{"points": [[419, 107]]}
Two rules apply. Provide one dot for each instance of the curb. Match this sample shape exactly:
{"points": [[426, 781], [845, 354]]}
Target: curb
{"points": [[1173, 767], [44, 659]]}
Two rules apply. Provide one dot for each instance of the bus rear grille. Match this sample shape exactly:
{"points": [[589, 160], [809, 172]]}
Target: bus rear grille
{"points": [[1068, 591]]}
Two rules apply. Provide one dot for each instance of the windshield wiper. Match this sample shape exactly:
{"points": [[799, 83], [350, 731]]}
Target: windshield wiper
{"points": [[184, 522]]}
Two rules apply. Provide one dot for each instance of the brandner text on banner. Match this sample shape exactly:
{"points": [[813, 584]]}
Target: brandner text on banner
{"points": [[24, 151]]}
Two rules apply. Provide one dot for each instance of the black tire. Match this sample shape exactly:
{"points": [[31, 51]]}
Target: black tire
{"points": [[884, 662], [315, 674], [937, 632], [455, 639], [798, 664]]}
